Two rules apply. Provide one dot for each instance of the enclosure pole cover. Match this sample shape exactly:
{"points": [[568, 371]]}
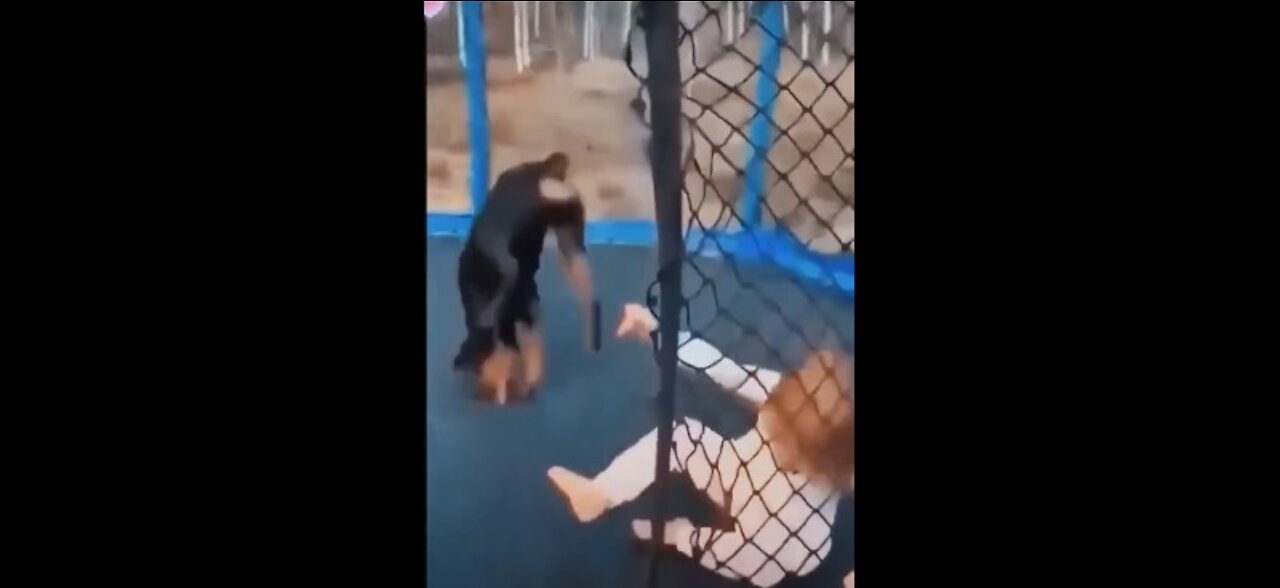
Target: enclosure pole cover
{"points": [[826, 33], [759, 141], [804, 33], [662, 40], [477, 103], [537, 19]]}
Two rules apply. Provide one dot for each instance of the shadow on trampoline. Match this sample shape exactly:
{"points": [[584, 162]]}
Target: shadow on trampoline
{"points": [[493, 521]]}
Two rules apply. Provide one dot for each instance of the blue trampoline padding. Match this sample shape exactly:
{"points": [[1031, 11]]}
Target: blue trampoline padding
{"points": [[831, 272], [486, 466]]}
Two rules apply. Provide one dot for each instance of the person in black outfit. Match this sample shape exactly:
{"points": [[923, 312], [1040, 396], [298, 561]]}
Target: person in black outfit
{"points": [[498, 267]]}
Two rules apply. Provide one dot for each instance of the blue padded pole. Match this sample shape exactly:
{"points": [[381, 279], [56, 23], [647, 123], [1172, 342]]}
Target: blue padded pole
{"points": [[769, 22], [473, 60]]}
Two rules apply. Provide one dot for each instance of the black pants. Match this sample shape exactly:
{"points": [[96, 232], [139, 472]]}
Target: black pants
{"points": [[478, 283]]}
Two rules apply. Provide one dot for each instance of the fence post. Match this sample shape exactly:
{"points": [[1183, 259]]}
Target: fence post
{"points": [[477, 103], [662, 40], [770, 24]]}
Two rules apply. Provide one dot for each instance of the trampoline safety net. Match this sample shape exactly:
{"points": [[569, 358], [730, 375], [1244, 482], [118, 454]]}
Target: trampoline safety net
{"points": [[750, 107]]}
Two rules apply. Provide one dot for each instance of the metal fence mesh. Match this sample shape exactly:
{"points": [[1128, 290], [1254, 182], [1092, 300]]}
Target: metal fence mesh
{"points": [[768, 108], [765, 157]]}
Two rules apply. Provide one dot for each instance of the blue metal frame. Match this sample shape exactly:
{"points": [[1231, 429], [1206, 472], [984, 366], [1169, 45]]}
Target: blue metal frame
{"points": [[831, 272], [753, 244], [759, 137], [477, 101]]}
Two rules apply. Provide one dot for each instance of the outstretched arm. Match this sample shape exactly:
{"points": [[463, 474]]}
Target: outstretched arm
{"points": [[750, 382], [567, 217], [563, 212]]}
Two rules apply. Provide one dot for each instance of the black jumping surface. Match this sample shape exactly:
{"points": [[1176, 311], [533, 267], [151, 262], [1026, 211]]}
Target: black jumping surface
{"points": [[493, 520]]}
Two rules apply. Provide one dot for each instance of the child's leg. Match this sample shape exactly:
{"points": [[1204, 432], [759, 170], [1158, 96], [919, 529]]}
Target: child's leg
{"points": [[765, 543], [750, 382], [694, 448], [728, 553]]}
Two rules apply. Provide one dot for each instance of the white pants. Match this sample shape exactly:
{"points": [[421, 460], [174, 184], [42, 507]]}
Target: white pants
{"points": [[782, 522], [740, 477]]}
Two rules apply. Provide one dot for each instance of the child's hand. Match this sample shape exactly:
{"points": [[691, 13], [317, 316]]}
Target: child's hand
{"points": [[637, 323]]}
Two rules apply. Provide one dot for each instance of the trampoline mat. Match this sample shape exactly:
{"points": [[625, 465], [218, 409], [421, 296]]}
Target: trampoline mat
{"points": [[493, 521]]}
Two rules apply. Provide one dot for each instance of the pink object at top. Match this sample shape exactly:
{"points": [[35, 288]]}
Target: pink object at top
{"points": [[431, 9]]}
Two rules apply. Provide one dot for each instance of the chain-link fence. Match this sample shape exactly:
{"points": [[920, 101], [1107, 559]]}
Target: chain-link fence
{"points": [[535, 35], [751, 112], [767, 111]]}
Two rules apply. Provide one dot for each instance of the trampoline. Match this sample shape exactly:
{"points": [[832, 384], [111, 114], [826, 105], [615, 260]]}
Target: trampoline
{"points": [[756, 292], [493, 520]]}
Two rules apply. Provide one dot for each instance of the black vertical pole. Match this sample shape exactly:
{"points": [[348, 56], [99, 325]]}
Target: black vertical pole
{"points": [[662, 38]]}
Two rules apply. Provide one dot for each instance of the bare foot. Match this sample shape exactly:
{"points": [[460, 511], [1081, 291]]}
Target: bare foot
{"points": [[637, 323], [585, 500], [495, 374]]}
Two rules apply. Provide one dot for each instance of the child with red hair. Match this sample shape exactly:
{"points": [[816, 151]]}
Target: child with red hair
{"points": [[779, 483]]}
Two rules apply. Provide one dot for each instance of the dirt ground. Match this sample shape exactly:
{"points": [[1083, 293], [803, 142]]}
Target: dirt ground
{"points": [[583, 111]]}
